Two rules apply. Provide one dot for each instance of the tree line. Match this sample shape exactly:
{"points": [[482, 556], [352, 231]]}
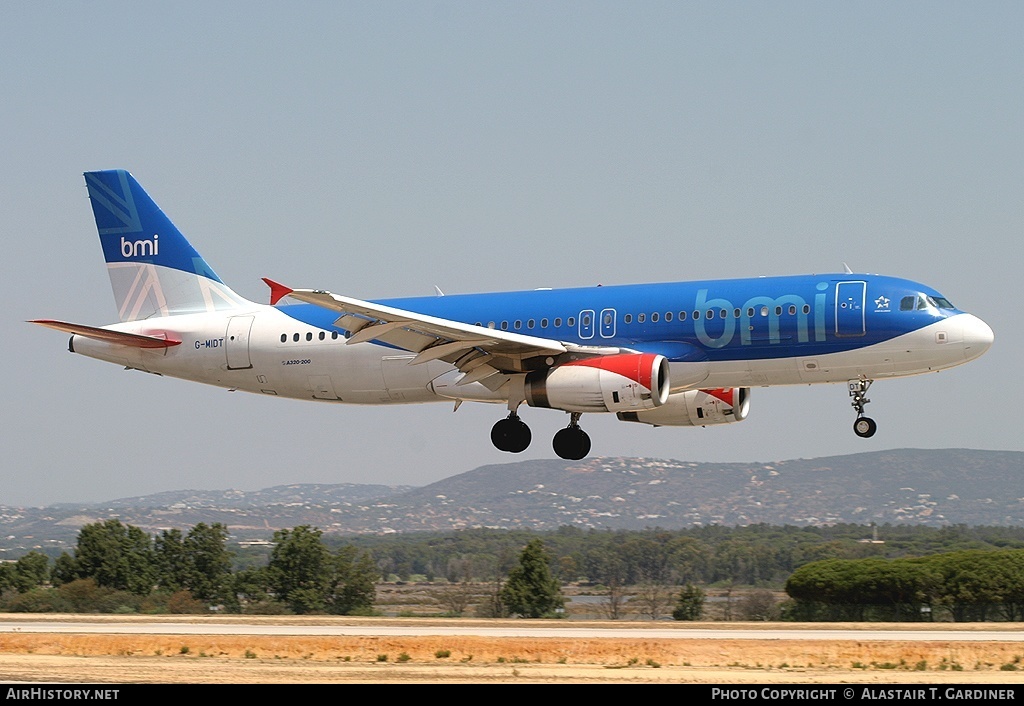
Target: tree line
{"points": [[830, 573], [118, 567], [756, 555], [971, 586]]}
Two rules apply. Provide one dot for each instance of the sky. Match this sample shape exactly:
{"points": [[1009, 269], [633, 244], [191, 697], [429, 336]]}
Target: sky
{"points": [[380, 149]]}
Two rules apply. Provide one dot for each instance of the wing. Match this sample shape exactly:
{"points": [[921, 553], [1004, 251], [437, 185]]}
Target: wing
{"points": [[483, 354]]}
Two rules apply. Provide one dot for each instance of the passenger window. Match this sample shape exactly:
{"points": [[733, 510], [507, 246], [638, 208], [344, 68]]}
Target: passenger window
{"points": [[668, 316], [558, 322], [641, 318], [628, 318], [543, 323], [334, 335], [323, 335], [295, 338], [530, 323], [696, 314], [792, 309], [682, 316], [504, 326], [571, 321], [284, 338], [309, 335], [654, 317]]}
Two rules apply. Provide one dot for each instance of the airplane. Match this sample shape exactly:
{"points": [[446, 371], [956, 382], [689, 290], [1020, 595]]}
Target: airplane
{"points": [[664, 354]]}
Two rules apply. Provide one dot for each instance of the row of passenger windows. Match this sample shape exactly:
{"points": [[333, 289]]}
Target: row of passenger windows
{"points": [[655, 317], [608, 320], [296, 337]]}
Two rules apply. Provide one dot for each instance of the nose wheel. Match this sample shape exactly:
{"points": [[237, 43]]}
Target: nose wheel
{"points": [[511, 434], [572, 443], [863, 427]]}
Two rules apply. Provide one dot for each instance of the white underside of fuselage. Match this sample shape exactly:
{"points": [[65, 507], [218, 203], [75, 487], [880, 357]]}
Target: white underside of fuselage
{"points": [[243, 350]]}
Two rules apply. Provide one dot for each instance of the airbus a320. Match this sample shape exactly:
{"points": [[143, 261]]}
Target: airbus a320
{"points": [[669, 354]]}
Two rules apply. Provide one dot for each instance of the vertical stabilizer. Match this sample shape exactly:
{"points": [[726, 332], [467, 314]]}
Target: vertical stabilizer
{"points": [[154, 270]]}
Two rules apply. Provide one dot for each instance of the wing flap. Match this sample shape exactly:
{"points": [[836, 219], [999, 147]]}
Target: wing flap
{"points": [[121, 338]]}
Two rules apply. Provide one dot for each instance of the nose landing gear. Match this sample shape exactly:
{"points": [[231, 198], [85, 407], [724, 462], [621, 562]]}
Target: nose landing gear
{"points": [[863, 427]]}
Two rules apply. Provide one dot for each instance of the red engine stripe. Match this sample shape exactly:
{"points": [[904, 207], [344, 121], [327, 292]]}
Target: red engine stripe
{"points": [[725, 394], [637, 367]]}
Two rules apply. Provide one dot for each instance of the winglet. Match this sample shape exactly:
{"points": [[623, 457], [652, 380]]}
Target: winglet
{"points": [[277, 291]]}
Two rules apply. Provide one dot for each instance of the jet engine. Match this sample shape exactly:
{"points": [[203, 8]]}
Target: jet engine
{"points": [[696, 408], [609, 383]]}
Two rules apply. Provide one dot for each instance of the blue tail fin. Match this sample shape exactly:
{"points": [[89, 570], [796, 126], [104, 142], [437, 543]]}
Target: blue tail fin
{"points": [[154, 270]]}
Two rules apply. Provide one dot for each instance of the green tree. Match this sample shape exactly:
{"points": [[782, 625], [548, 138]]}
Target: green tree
{"points": [[65, 570], [31, 571], [531, 591], [208, 561], [170, 560], [353, 582], [689, 604], [116, 556], [299, 572]]}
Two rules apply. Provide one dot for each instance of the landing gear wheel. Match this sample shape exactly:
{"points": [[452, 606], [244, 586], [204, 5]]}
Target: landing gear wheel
{"points": [[571, 443], [865, 427], [511, 434]]}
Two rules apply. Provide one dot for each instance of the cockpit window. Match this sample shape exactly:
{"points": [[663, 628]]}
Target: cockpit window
{"points": [[923, 302]]}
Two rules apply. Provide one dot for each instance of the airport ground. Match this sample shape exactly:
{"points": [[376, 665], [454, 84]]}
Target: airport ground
{"points": [[212, 650]]}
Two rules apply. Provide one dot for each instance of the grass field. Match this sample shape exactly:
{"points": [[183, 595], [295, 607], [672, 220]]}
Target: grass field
{"points": [[128, 658]]}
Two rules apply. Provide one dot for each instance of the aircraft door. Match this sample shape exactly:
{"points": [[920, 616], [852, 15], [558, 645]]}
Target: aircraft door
{"points": [[236, 342], [587, 323], [850, 308], [607, 323]]}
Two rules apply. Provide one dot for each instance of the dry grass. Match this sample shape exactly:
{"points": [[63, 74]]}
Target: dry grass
{"points": [[125, 658]]}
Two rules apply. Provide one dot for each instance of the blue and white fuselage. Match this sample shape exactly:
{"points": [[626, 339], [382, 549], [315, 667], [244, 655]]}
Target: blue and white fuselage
{"points": [[677, 354]]}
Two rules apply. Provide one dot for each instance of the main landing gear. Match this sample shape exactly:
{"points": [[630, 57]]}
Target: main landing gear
{"points": [[864, 427], [511, 434], [572, 443]]}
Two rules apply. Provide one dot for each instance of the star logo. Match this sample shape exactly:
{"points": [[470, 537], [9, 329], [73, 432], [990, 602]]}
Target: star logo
{"points": [[882, 302]]}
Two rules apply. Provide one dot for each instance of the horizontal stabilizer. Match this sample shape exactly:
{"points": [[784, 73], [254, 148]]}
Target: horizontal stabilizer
{"points": [[134, 340]]}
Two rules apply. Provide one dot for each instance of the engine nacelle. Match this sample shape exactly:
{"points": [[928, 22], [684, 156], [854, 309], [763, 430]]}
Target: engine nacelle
{"points": [[696, 408], [608, 383]]}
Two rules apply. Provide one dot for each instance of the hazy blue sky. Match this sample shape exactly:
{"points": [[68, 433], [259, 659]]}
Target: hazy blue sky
{"points": [[378, 149]]}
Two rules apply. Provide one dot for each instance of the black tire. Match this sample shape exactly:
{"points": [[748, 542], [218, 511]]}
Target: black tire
{"points": [[511, 435], [865, 427], [571, 443]]}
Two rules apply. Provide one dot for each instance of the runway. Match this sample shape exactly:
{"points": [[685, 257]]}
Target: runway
{"points": [[1005, 632]]}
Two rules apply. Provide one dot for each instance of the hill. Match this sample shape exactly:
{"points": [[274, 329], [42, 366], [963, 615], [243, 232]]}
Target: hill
{"points": [[934, 487]]}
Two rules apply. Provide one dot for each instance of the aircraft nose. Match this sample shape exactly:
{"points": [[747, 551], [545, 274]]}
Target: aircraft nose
{"points": [[978, 336]]}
